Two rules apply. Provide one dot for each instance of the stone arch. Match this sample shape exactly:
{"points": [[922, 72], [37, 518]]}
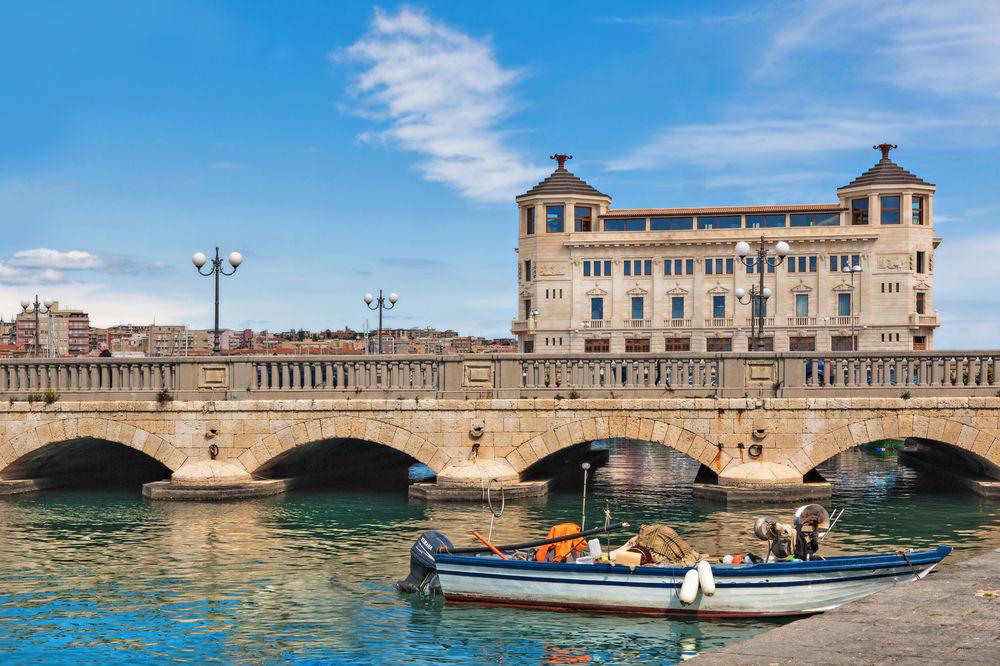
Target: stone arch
{"points": [[269, 447], [72, 428], [976, 441], [618, 426]]}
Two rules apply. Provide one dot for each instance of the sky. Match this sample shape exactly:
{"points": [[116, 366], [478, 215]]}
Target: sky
{"points": [[344, 147]]}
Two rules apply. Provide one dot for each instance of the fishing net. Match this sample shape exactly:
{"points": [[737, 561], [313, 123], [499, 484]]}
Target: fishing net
{"points": [[663, 544]]}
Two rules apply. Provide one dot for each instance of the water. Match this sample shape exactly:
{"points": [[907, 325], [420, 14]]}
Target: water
{"points": [[103, 576]]}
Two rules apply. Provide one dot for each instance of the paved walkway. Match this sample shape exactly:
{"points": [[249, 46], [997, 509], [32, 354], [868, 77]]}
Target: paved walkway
{"points": [[950, 617]]}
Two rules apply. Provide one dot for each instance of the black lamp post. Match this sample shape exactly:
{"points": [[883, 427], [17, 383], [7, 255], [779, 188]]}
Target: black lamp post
{"points": [[758, 294], [199, 259], [37, 309], [379, 304]]}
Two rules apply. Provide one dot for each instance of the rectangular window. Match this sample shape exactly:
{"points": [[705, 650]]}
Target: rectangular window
{"points": [[918, 210], [708, 266], [719, 344], [668, 265], [677, 307], [527, 308], [831, 219], [529, 346], [527, 270], [554, 219], [718, 307], [890, 209], [859, 211], [607, 268], [637, 303], [802, 344], [637, 224], [597, 268], [833, 263], [844, 305], [719, 222], [689, 266], [763, 221], [596, 346], [671, 223], [812, 264], [638, 345], [758, 307], [529, 220], [597, 308], [583, 218], [627, 267], [919, 343], [677, 344], [921, 261], [647, 267], [754, 344], [801, 305], [921, 302], [586, 268], [802, 264], [842, 343]]}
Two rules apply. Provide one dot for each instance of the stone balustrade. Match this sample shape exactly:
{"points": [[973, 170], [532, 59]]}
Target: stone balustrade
{"points": [[723, 375]]}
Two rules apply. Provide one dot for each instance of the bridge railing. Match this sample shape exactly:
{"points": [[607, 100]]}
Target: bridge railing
{"points": [[891, 374]]}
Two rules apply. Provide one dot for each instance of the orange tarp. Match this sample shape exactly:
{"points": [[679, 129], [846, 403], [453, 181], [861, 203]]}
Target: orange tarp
{"points": [[563, 548]]}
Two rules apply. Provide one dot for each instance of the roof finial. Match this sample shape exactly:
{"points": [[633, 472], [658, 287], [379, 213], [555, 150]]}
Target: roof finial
{"points": [[561, 159], [885, 148]]}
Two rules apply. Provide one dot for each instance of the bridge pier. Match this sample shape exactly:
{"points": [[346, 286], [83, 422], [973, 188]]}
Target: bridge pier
{"points": [[212, 480], [465, 481], [951, 463], [759, 481]]}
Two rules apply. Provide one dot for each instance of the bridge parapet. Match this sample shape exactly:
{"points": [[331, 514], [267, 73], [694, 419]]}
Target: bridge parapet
{"points": [[836, 374]]}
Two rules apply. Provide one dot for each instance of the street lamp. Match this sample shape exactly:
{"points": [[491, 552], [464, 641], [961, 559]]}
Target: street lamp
{"points": [[758, 294], [199, 259], [854, 336], [39, 308], [379, 304]]}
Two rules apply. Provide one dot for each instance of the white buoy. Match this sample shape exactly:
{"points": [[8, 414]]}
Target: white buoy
{"points": [[689, 588], [706, 580]]}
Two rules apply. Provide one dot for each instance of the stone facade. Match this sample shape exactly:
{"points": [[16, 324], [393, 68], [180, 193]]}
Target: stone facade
{"points": [[882, 222]]}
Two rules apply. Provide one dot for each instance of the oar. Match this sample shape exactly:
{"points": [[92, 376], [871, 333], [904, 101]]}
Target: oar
{"points": [[489, 545], [535, 544]]}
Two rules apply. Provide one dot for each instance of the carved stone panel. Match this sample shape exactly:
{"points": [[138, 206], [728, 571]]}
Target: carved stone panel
{"points": [[761, 372], [551, 268], [213, 377], [478, 375]]}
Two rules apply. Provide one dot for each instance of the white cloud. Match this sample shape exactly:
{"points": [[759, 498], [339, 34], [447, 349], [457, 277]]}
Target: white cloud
{"points": [[965, 293], [442, 95], [10, 274], [43, 257]]}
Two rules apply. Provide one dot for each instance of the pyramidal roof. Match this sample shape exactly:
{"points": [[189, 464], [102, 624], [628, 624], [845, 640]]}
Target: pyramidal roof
{"points": [[562, 181], [886, 172]]}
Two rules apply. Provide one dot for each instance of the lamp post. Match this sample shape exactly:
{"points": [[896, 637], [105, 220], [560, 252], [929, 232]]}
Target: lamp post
{"points": [[854, 335], [379, 304], [758, 294], [199, 259], [37, 308]]}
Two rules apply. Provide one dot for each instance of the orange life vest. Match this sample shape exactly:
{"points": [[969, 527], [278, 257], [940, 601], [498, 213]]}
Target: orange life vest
{"points": [[563, 548]]}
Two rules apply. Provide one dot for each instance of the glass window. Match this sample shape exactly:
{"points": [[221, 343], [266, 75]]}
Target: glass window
{"points": [[671, 223], [597, 268], [719, 344], [842, 343], [677, 307], [921, 261], [802, 344], [921, 302], [639, 345], [554, 219], [583, 218], [586, 268], [729, 266], [607, 268], [597, 308], [761, 221], [859, 211], [719, 222], [689, 264], [527, 270], [754, 344], [636, 224], [668, 266], [527, 308], [708, 266], [637, 303], [802, 264], [791, 264], [529, 220], [855, 260], [647, 268], [833, 263], [801, 305], [718, 307], [529, 346], [677, 344], [844, 305], [918, 210], [596, 346], [890, 210], [758, 307], [627, 267], [816, 219], [812, 264]]}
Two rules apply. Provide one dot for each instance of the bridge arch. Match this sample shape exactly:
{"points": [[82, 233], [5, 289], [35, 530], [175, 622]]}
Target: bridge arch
{"points": [[618, 426], [270, 447], [980, 443], [62, 430]]}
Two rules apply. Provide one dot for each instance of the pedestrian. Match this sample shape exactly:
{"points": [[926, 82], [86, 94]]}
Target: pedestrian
{"points": [[105, 352]]}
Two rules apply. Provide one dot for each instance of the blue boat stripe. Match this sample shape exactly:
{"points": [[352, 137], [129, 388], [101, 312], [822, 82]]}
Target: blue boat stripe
{"points": [[627, 583]]}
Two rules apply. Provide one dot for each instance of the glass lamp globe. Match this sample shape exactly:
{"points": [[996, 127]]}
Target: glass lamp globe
{"points": [[740, 292], [393, 298], [782, 249], [25, 304], [48, 303], [767, 292], [368, 298], [742, 249], [198, 259], [857, 268], [235, 259]]}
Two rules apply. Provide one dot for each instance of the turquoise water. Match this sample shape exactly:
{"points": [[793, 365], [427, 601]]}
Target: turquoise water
{"points": [[102, 576]]}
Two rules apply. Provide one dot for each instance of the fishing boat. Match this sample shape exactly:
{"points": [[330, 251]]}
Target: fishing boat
{"points": [[792, 579]]}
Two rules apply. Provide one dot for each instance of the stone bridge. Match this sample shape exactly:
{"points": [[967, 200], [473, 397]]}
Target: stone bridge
{"points": [[758, 424]]}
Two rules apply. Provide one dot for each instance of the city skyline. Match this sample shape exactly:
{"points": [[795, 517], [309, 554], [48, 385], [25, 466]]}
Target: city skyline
{"points": [[346, 148]]}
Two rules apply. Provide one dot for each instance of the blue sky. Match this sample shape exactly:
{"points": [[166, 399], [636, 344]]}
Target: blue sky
{"points": [[343, 147]]}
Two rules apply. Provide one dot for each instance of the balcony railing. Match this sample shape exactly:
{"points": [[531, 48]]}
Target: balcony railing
{"points": [[802, 321], [752, 321], [923, 319], [638, 323], [676, 323], [520, 325], [719, 322], [844, 321], [599, 323]]}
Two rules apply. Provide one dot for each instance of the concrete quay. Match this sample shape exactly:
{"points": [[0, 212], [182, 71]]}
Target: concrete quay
{"points": [[950, 617]]}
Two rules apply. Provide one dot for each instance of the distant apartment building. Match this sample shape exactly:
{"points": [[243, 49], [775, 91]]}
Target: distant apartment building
{"points": [[61, 332], [859, 274]]}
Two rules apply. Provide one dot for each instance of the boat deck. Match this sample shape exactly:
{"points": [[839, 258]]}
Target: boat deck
{"points": [[951, 617]]}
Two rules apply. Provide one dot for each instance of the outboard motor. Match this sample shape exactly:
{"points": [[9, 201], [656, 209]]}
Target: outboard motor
{"points": [[423, 568]]}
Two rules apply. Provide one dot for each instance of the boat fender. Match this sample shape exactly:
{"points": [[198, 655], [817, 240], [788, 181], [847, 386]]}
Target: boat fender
{"points": [[706, 581], [689, 588]]}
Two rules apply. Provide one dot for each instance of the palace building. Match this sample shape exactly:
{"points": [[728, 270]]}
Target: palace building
{"points": [[859, 272]]}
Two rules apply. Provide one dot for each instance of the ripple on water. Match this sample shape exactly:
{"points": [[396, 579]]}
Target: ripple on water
{"points": [[109, 577]]}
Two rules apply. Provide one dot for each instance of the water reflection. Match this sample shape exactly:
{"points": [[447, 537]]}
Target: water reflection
{"points": [[106, 576]]}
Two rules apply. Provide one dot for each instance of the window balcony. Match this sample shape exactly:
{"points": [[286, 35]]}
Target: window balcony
{"points": [[676, 323], [598, 323], [917, 320], [752, 321], [520, 325], [802, 321], [719, 322], [638, 323], [844, 321]]}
